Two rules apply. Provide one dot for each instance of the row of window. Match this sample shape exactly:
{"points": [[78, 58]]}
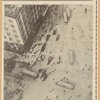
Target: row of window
{"points": [[11, 39], [33, 13], [6, 28], [13, 26], [27, 26], [13, 30], [10, 20], [16, 36], [5, 37], [21, 26]]}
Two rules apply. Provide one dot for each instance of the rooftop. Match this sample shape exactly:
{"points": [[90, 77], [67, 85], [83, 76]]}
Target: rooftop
{"points": [[13, 10]]}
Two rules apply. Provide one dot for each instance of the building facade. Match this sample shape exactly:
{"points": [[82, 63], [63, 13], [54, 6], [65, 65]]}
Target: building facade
{"points": [[19, 23]]}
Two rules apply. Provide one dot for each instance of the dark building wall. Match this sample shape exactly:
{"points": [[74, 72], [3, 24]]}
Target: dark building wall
{"points": [[28, 22]]}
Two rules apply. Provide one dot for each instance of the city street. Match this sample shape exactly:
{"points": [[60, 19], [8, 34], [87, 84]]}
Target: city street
{"points": [[64, 50]]}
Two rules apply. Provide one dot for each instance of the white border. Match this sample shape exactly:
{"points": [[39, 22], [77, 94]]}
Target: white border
{"points": [[94, 52], [93, 3], [48, 2], [97, 45], [2, 52]]}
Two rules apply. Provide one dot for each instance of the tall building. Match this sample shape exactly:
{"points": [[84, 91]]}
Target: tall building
{"points": [[19, 23]]}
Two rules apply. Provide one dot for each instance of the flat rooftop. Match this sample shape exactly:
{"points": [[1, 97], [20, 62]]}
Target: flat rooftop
{"points": [[12, 10]]}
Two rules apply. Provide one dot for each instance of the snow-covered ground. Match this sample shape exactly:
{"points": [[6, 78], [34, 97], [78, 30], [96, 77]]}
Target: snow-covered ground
{"points": [[73, 48]]}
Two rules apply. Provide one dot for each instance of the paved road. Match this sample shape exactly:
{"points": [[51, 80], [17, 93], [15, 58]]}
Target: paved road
{"points": [[76, 36]]}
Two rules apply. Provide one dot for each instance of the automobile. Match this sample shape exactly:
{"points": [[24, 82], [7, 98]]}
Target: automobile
{"points": [[65, 17], [66, 84], [72, 56], [29, 73]]}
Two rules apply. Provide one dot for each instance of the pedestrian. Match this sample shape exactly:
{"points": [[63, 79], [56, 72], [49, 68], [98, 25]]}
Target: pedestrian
{"points": [[45, 77], [85, 10]]}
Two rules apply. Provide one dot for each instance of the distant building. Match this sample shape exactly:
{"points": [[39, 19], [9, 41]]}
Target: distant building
{"points": [[19, 23]]}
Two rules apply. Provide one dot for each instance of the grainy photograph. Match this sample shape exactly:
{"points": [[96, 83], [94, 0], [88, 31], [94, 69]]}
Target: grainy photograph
{"points": [[48, 52]]}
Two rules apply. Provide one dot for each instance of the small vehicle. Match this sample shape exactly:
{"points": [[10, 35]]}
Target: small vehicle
{"points": [[29, 73], [66, 84], [72, 57], [65, 17]]}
